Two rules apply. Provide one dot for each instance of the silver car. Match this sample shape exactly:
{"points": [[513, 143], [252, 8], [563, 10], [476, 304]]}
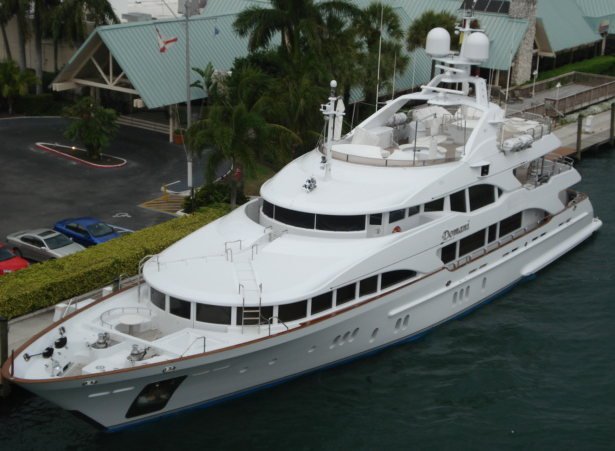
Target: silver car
{"points": [[42, 244]]}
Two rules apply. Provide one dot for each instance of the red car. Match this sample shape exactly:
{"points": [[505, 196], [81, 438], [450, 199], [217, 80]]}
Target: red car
{"points": [[9, 262]]}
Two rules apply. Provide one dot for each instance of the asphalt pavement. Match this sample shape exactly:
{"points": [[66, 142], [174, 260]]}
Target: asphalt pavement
{"points": [[38, 188]]}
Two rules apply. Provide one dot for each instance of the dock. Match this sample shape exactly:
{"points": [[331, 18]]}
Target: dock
{"points": [[587, 133]]}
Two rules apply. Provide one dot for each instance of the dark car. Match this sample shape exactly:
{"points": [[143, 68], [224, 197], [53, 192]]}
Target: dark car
{"points": [[10, 262], [87, 231]]}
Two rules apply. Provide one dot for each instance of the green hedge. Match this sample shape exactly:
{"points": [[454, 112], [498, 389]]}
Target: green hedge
{"points": [[46, 284]]}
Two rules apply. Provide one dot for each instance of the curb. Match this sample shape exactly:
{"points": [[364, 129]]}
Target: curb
{"points": [[43, 146]]}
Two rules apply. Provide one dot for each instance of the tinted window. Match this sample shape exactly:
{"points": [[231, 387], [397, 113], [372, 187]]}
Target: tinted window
{"points": [[213, 314], [340, 223], [292, 312], [394, 277], [448, 253], [413, 211], [481, 195], [294, 218], [492, 233], [472, 242], [346, 294], [458, 201], [58, 241], [510, 224], [179, 308], [322, 302], [397, 215], [99, 229], [435, 205], [368, 286], [268, 209], [375, 219], [157, 298]]}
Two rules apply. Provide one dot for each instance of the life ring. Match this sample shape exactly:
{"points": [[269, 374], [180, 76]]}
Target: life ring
{"points": [[396, 229]]}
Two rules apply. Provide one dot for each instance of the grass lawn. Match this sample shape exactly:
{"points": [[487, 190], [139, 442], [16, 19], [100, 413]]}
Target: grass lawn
{"points": [[603, 65]]}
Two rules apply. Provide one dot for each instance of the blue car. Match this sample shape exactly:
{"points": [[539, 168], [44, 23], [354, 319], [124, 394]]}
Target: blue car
{"points": [[87, 231]]}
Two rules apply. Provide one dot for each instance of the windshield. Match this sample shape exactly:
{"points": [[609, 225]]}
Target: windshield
{"points": [[99, 229], [58, 241], [5, 254]]}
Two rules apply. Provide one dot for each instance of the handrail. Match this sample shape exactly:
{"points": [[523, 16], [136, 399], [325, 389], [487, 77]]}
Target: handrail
{"points": [[193, 342], [271, 319]]}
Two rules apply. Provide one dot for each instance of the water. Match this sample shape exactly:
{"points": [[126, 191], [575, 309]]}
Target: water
{"points": [[532, 370]]}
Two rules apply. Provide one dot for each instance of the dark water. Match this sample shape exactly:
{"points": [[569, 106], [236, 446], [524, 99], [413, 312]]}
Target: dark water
{"points": [[533, 370]]}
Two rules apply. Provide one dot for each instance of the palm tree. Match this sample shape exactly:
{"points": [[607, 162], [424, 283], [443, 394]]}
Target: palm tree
{"points": [[93, 125], [14, 82], [299, 23], [17, 9], [417, 32], [379, 30]]}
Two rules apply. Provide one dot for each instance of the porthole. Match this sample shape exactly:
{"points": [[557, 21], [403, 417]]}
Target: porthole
{"points": [[406, 321], [345, 337], [397, 324], [243, 370], [468, 291], [374, 335], [455, 297], [484, 282], [355, 332], [273, 361], [312, 349]]}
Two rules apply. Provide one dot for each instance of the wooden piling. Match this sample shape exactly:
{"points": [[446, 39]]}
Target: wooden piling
{"points": [[4, 354], [612, 134], [579, 136]]}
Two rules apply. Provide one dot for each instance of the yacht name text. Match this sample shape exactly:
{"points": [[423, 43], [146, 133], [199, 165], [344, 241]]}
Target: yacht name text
{"points": [[448, 234]]}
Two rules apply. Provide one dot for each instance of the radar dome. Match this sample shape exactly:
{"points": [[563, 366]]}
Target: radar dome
{"points": [[438, 42], [476, 47]]}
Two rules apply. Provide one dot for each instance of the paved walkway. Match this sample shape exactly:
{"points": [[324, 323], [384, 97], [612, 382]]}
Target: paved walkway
{"points": [[599, 133]]}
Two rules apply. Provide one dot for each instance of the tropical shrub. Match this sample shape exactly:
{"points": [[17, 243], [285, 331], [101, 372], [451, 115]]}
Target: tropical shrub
{"points": [[46, 284], [208, 195]]}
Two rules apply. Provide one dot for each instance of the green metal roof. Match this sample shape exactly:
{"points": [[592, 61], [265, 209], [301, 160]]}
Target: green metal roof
{"points": [[564, 24], [598, 13]]}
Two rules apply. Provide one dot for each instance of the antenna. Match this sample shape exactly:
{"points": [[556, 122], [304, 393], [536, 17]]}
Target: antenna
{"points": [[379, 55]]}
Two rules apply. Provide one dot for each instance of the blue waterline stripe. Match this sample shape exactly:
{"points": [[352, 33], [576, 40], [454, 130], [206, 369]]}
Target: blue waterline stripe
{"points": [[248, 391]]}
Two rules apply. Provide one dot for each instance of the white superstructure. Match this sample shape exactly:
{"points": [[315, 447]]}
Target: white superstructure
{"points": [[430, 207]]}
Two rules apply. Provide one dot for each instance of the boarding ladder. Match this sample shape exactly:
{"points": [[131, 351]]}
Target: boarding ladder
{"points": [[249, 289]]}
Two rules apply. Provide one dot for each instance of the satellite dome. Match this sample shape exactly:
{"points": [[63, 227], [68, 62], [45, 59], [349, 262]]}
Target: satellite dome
{"points": [[438, 42], [476, 47]]}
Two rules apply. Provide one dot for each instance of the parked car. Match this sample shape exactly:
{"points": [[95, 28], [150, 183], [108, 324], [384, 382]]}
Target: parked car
{"points": [[88, 231], [10, 262], [42, 244]]}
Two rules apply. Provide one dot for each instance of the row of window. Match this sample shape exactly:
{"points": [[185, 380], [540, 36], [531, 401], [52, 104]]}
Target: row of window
{"points": [[475, 197], [479, 239], [287, 312]]}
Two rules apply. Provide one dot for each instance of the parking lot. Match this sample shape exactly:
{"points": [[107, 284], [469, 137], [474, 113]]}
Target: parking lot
{"points": [[38, 188]]}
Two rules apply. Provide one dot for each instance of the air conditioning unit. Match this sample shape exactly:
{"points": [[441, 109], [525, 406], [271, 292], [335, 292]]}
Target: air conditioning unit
{"points": [[138, 103]]}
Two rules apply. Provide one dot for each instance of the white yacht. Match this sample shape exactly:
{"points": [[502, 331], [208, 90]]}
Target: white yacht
{"points": [[435, 204]]}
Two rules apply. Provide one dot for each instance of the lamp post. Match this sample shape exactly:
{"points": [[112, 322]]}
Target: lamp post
{"points": [[187, 6], [535, 74], [557, 86]]}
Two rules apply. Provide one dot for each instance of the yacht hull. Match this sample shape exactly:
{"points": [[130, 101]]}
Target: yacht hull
{"points": [[109, 399]]}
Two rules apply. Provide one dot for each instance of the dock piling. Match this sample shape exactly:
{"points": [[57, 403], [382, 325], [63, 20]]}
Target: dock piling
{"points": [[579, 136]]}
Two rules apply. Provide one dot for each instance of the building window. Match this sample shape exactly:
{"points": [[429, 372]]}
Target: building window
{"points": [[368, 286], [292, 312], [390, 278], [472, 242], [458, 201], [435, 205], [180, 308], [449, 253], [213, 314], [346, 294], [340, 223], [481, 196], [158, 298], [397, 215], [322, 302]]}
